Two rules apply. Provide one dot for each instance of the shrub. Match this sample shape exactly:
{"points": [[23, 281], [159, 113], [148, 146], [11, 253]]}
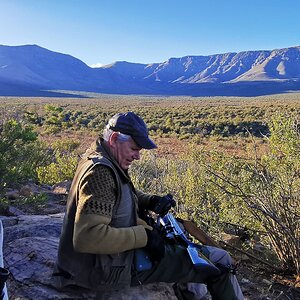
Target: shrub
{"points": [[62, 168], [268, 188], [20, 153], [63, 163]]}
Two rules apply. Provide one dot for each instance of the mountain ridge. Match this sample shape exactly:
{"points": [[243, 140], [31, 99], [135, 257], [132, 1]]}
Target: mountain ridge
{"points": [[40, 69]]}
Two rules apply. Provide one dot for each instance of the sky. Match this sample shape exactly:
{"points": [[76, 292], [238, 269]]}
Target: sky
{"points": [[100, 32]]}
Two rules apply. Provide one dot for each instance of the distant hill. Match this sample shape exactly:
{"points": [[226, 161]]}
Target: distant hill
{"points": [[31, 70]]}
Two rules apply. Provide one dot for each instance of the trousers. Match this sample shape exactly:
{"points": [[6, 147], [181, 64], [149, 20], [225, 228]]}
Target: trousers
{"points": [[190, 282]]}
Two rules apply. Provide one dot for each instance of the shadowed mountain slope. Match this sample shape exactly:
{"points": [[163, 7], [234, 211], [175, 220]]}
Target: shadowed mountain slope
{"points": [[33, 70]]}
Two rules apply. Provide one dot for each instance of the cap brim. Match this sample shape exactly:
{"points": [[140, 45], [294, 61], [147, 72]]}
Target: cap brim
{"points": [[144, 142]]}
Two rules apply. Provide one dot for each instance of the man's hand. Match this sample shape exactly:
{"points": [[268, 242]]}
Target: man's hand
{"points": [[155, 245], [161, 205]]}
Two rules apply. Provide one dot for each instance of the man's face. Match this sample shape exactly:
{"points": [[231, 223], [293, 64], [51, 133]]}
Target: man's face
{"points": [[125, 152]]}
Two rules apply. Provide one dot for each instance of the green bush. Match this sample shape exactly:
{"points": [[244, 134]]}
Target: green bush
{"points": [[65, 145], [62, 168], [23, 157], [20, 153], [262, 193], [63, 164]]}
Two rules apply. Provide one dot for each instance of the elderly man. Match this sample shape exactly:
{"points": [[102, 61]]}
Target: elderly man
{"points": [[102, 229]]}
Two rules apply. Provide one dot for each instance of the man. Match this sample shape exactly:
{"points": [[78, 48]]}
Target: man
{"points": [[102, 229]]}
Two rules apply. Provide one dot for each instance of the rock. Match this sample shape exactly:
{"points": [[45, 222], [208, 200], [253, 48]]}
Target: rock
{"points": [[12, 195], [37, 189], [231, 239], [26, 191], [258, 247], [62, 187], [157, 291], [13, 211], [56, 203], [245, 281], [45, 226], [30, 247]]}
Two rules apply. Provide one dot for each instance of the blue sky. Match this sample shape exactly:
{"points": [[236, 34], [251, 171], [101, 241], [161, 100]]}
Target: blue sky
{"points": [[142, 31]]}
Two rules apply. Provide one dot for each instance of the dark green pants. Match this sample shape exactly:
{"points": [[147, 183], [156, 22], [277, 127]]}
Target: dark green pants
{"points": [[176, 267]]}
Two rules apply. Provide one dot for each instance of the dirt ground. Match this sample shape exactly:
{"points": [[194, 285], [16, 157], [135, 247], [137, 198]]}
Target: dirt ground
{"points": [[259, 283]]}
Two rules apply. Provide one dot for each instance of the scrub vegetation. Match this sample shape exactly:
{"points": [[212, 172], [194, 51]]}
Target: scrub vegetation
{"points": [[225, 160]]}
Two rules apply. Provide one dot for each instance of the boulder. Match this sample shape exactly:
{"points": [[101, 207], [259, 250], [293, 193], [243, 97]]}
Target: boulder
{"points": [[26, 191], [62, 187], [12, 194], [30, 247]]}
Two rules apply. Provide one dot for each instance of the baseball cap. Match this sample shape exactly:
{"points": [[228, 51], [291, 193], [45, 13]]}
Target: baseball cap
{"points": [[131, 124]]}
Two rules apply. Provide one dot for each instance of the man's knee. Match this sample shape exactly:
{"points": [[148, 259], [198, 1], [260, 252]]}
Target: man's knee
{"points": [[218, 256]]}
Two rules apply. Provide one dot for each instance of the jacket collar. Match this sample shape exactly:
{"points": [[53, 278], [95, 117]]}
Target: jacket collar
{"points": [[99, 147]]}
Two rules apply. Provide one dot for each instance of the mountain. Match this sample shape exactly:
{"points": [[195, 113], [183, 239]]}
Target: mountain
{"points": [[33, 70], [282, 64], [34, 66]]}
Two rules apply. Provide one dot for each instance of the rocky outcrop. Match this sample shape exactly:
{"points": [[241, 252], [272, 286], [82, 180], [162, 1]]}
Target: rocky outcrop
{"points": [[30, 247]]}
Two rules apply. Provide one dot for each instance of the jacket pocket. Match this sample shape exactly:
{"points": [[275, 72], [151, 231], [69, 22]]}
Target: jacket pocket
{"points": [[114, 274], [114, 269]]}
